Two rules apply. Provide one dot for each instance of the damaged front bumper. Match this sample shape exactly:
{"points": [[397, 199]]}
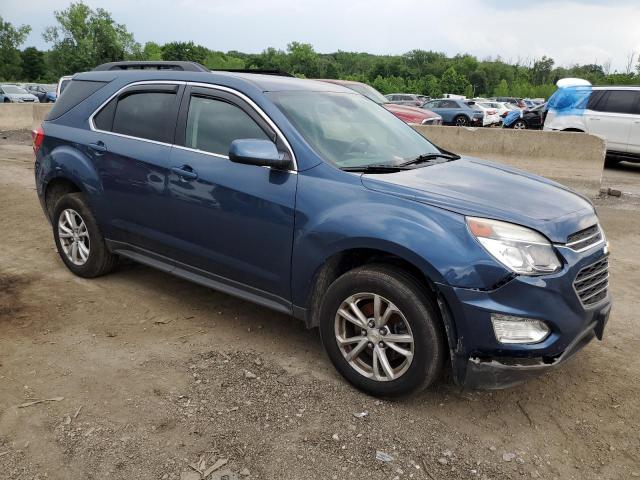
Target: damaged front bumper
{"points": [[504, 372]]}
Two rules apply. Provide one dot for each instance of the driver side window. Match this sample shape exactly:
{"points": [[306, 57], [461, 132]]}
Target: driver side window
{"points": [[212, 125]]}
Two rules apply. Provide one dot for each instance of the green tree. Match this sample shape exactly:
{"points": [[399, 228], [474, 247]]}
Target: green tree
{"points": [[33, 65], [502, 90], [84, 38], [10, 59], [184, 51], [541, 71], [303, 60], [152, 51], [452, 82]]}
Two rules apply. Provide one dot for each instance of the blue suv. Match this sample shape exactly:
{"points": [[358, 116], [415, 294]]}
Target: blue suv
{"points": [[310, 199]]}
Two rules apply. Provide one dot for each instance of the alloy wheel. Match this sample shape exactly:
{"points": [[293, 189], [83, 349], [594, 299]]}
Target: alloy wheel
{"points": [[461, 121], [74, 237], [520, 125], [374, 337]]}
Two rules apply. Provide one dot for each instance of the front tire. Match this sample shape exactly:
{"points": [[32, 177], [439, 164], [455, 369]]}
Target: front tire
{"points": [[80, 244], [520, 125], [382, 332]]}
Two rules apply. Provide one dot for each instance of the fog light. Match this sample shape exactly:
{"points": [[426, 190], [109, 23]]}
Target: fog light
{"points": [[510, 329]]}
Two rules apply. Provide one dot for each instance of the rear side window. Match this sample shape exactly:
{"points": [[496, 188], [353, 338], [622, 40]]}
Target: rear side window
{"points": [[149, 115], [74, 93], [213, 124], [617, 101]]}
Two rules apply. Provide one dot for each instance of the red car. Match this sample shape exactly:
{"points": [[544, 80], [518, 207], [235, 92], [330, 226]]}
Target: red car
{"points": [[403, 112]]}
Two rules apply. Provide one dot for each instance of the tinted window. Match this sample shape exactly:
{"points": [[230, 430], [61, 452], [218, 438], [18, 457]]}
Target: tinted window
{"points": [[448, 104], [213, 124], [618, 101], [147, 115], [431, 104], [76, 92]]}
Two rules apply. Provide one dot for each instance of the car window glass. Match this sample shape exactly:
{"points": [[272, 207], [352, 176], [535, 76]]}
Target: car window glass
{"points": [[213, 124], [146, 115], [448, 104], [618, 101]]}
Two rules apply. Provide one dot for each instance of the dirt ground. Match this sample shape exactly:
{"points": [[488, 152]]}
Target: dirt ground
{"points": [[149, 377]]}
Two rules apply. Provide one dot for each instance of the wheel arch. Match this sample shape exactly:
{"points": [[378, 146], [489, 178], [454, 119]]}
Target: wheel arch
{"points": [[55, 189], [348, 259]]}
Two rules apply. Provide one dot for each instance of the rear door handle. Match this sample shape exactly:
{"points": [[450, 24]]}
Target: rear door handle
{"points": [[98, 147], [185, 171]]}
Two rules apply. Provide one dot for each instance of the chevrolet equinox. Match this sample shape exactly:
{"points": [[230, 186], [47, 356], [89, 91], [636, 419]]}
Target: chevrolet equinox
{"points": [[310, 199]]}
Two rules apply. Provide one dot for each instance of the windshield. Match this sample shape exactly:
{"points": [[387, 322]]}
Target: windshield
{"points": [[369, 92], [13, 89], [351, 131]]}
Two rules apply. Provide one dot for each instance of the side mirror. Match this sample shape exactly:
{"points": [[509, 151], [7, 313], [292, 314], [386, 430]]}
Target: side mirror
{"points": [[262, 153]]}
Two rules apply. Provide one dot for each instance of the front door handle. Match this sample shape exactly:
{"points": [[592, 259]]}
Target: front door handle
{"points": [[99, 147], [185, 171]]}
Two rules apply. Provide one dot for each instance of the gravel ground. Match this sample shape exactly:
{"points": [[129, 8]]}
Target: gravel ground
{"points": [[147, 376]]}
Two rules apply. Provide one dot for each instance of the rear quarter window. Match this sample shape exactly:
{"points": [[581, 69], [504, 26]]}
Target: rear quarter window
{"points": [[76, 92]]}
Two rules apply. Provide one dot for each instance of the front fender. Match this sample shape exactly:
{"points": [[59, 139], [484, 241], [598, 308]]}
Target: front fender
{"points": [[335, 215]]}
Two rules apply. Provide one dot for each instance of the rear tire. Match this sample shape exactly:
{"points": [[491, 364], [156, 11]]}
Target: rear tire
{"points": [[80, 244], [413, 316], [461, 121], [520, 125]]}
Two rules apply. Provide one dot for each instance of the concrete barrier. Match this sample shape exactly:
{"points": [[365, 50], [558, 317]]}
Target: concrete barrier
{"points": [[22, 116], [573, 159], [15, 116], [40, 111]]}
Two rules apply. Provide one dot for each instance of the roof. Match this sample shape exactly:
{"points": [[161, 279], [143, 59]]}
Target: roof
{"points": [[265, 83]]}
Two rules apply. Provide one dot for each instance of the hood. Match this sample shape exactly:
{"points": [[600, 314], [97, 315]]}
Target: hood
{"points": [[20, 96], [406, 110], [476, 187]]}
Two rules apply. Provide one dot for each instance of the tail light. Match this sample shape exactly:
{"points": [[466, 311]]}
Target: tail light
{"points": [[37, 136]]}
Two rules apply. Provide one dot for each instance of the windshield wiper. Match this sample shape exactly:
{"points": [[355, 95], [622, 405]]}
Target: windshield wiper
{"points": [[376, 168], [430, 156]]}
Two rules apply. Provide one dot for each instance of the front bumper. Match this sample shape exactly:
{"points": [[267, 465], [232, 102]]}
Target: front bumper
{"points": [[480, 361], [496, 373]]}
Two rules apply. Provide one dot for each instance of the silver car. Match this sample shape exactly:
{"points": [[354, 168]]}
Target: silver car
{"points": [[15, 94]]}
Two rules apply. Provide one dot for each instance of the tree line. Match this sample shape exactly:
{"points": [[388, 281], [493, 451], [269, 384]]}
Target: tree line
{"points": [[83, 37]]}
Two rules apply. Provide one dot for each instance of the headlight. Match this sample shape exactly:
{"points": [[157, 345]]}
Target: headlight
{"points": [[520, 249]]}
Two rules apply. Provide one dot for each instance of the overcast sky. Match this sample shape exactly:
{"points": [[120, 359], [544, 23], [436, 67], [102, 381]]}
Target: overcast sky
{"points": [[570, 31]]}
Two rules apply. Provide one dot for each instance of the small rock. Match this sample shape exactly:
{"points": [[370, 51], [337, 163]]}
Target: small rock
{"points": [[249, 375], [443, 461], [361, 414], [383, 457], [447, 453], [492, 448], [507, 456], [244, 472], [335, 437]]}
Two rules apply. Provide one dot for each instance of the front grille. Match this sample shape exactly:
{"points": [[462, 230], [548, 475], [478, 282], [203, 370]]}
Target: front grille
{"points": [[584, 238], [592, 282]]}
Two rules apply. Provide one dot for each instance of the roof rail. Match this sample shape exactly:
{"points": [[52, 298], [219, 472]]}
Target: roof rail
{"points": [[153, 65], [258, 71]]}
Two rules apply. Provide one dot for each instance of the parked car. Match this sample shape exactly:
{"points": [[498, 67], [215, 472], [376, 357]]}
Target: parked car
{"points": [[610, 112], [305, 198], [423, 98], [526, 119], [404, 112], [45, 93], [404, 99], [491, 116], [14, 94], [501, 108], [62, 84], [456, 112], [513, 100]]}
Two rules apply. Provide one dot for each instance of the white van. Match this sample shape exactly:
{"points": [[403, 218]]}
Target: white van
{"points": [[610, 112]]}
